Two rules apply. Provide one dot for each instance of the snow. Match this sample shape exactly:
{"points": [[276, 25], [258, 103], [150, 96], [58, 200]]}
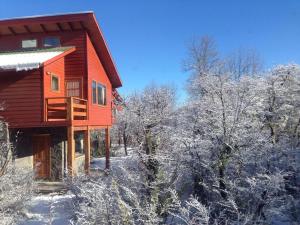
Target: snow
{"points": [[26, 60], [49, 209], [57, 209], [99, 163]]}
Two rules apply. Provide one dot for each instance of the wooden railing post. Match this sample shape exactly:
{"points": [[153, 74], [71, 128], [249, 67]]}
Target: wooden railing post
{"points": [[87, 110], [46, 109], [70, 108]]}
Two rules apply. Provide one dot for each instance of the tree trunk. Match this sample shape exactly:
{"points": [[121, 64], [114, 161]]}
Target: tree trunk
{"points": [[147, 145], [119, 138], [225, 154], [5, 154], [222, 184], [125, 142], [152, 163]]}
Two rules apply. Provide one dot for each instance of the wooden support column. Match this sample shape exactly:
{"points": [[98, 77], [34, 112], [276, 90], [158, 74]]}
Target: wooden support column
{"points": [[87, 150], [107, 146], [71, 151]]}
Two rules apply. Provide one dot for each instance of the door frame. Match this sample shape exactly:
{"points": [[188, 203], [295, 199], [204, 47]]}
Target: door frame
{"points": [[48, 154]]}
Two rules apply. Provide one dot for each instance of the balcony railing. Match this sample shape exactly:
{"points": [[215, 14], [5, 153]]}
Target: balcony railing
{"points": [[66, 109]]}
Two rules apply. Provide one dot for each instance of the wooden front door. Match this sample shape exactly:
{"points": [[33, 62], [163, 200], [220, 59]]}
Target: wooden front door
{"points": [[41, 156]]}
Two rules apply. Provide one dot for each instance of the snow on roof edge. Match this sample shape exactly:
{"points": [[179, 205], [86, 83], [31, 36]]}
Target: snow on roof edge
{"points": [[33, 50], [28, 60]]}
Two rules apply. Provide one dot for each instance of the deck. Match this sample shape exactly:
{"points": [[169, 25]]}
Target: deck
{"points": [[63, 109]]}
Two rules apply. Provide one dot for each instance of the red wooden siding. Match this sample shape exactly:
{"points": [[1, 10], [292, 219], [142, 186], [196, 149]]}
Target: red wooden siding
{"points": [[56, 68], [75, 63], [21, 94], [24, 92], [99, 115]]}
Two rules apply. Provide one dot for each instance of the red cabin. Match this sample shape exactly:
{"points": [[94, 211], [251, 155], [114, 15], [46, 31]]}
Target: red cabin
{"points": [[57, 83]]}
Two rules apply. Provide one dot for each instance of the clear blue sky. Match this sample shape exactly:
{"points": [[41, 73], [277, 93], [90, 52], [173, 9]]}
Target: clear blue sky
{"points": [[148, 38]]}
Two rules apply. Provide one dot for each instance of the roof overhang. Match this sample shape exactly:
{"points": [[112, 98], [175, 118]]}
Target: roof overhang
{"points": [[66, 22], [31, 59]]}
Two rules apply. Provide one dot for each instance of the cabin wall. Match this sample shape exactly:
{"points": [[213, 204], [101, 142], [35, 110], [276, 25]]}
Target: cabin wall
{"points": [[75, 63], [20, 93], [56, 68], [98, 115], [84, 63]]}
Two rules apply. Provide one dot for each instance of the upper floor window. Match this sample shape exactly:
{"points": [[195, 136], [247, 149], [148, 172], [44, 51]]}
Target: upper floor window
{"points": [[54, 83], [51, 42], [94, 92], [29, 43], [101, 89], [98, 93], [73, 88]]}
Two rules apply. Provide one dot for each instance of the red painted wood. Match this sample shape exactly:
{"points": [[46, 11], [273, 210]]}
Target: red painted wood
{"points": [[21, 95], [56, 68], [79, 21], [98, 115], [25, 92]]}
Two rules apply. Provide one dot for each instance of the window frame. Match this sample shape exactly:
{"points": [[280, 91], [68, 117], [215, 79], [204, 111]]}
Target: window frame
{"points": [[72, 79], [58, 82], [56, 37], [30, 39], [103, 95], [96, 100], [96, 92]]}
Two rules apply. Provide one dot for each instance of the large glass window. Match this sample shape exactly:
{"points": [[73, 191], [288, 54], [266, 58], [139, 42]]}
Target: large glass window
{"points": [[98, 93], [94, 92], [51, 42], [101, 89], [29, 43]]}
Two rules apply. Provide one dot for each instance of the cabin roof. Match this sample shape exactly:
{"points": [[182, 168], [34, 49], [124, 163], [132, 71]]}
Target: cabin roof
{"points": [[31, 59], [66, 22]]}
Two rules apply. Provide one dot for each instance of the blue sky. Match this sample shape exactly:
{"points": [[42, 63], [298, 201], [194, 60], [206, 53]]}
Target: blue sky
{"points": [[148, 38]]}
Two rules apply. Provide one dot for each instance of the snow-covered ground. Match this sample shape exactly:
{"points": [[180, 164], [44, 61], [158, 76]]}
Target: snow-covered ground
{"points": [[48, 209], [99, 163], [57, 208]]}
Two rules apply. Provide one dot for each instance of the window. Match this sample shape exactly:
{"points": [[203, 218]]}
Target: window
{"points": [[79, 150], [73, 88], [30, 43], [51, 42], [94, 92], [101, 94], [54, 83], [98, 93]]}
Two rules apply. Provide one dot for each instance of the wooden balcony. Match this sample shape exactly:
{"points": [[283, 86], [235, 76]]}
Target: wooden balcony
{"points": [[65, 109]]}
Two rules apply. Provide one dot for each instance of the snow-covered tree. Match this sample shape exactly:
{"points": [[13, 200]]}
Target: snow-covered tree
{"points": [[227, 137], [124, 127], [16, 185]]}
